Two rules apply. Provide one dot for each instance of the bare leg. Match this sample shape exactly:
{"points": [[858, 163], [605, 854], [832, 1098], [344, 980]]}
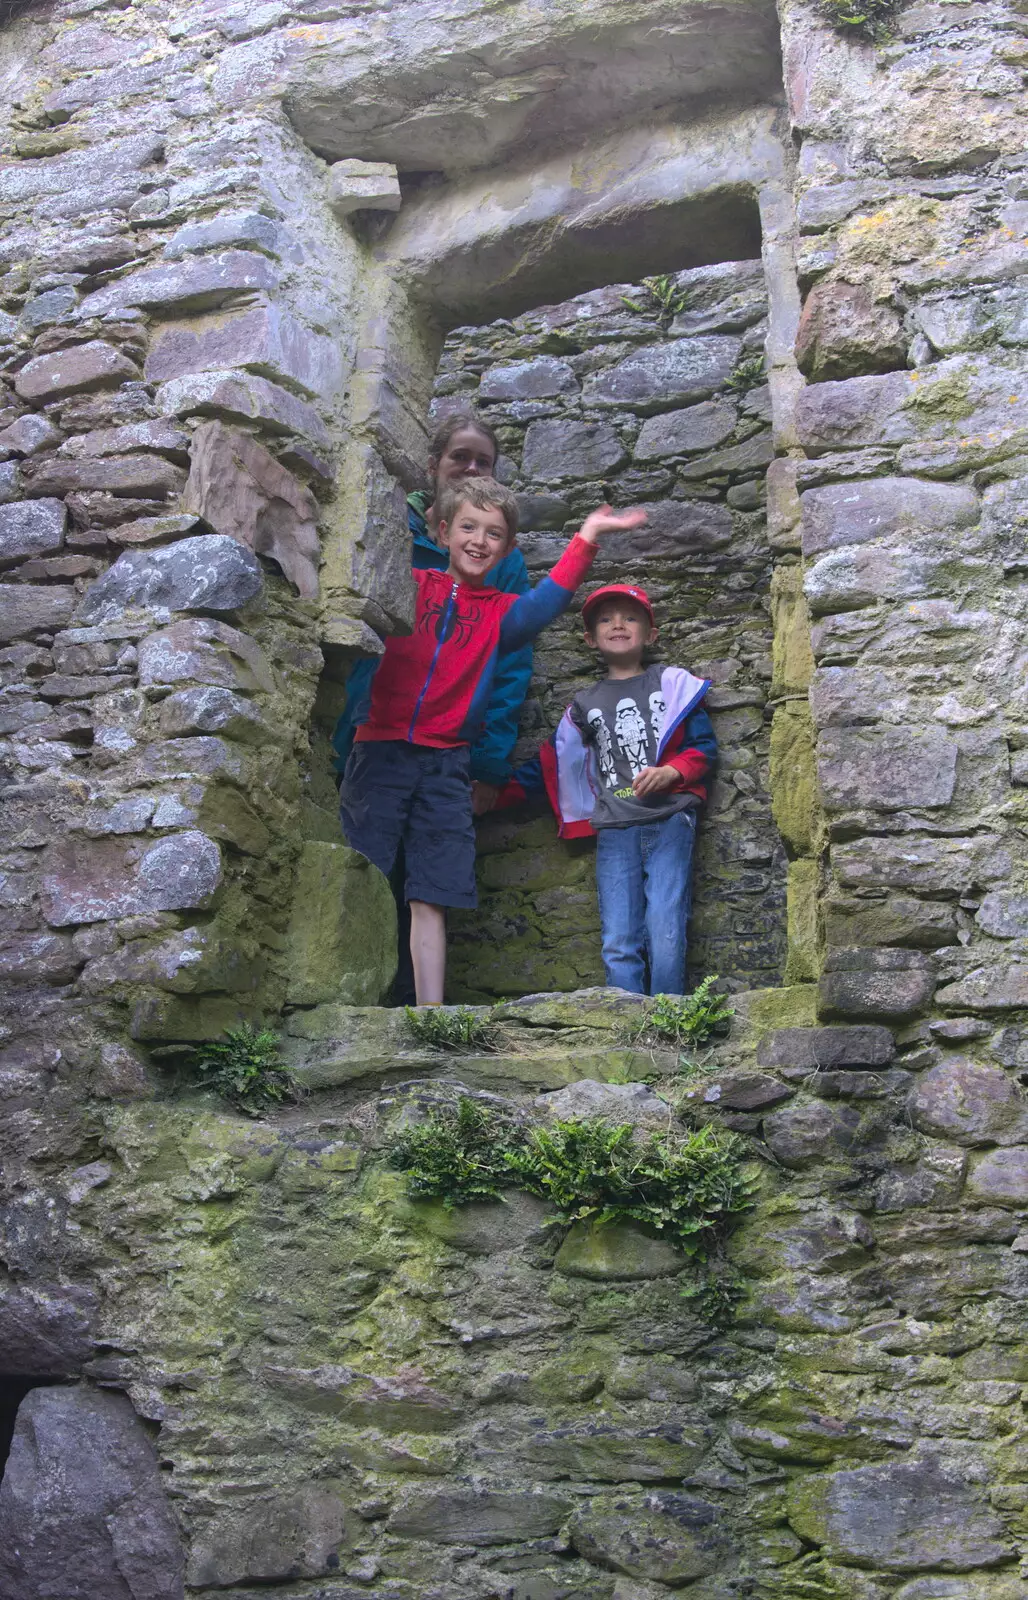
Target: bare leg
{"points": [[428, 951]]}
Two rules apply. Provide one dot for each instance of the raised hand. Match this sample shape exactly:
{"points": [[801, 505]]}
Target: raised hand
{"points": [[607, 520]]}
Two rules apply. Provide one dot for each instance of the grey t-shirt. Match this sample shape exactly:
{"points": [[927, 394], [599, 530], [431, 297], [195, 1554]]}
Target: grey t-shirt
{"points": [[622, 719]]}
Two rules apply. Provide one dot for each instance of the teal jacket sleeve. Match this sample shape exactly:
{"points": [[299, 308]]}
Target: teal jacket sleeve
{"points": [[491, 753]]}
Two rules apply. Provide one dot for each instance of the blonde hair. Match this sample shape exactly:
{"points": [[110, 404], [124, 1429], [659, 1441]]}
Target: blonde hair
{"points": [[485, 494]]}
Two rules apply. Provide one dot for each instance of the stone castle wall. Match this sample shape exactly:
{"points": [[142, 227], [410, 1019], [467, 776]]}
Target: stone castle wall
{"points": [[216, 355]]}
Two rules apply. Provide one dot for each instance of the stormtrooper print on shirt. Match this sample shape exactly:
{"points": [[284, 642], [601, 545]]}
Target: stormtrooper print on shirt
{"points": [[622, 720]]}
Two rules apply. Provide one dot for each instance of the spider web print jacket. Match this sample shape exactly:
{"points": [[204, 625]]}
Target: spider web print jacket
{"points": [[565, 768], [432, 688]]}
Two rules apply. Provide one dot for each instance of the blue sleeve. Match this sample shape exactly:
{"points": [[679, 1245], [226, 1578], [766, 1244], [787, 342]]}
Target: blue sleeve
{"points": [[492, 750], [700, 735], [358, 699]]}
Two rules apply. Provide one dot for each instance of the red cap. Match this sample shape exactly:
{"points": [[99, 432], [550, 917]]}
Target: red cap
{"points": [[627, 591]]}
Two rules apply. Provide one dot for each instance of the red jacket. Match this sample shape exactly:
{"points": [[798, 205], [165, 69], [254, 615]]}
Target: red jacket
{"points": [[432, 688]]}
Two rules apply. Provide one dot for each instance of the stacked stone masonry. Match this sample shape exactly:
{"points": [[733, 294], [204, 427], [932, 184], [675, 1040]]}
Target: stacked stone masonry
{"points": [[249, 1364]]}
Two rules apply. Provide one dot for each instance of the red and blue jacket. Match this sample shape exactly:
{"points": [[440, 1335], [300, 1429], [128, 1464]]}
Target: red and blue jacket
{"points": [[565, 768], [432, 687]]}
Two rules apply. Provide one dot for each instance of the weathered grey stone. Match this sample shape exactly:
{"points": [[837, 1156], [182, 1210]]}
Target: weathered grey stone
{"points": [[363, 186], [478, 1517], [209, 573], [266, 339], [618, 1102], [969, 1103], [826, 1048], [1000, 1178], [739, 459], [844, 331], [240, 490], [29, 608], [489, 1227], [874, 508], [46, 1330], [848, 579], [31, 528], [997, 987], [558, 450], [541, 511], [279, 1537], [615, 1251], [341, 944], [873, 994], [95, 365], [82, 1504], [29, 434], [957, 400], [665, 375], [899, 1515], [155, 434], [742, 1091], [802, 1134], [537, 379], [886, 768], [37, 958], [927, 865], [188, 285], [101, 175], [617, 1454], [248, 229], [201, 650], [154, 530], [674, 529], [10, 482], [1003, 914], [671, 1537], [211, 710], [151, 477], [44, 309], [243, 397], [675, 433], [110, 878]]}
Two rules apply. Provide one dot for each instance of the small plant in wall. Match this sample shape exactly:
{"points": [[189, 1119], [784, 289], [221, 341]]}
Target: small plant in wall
{"points": [[245, 1068], [458, 1029], [861, 19], [661, 295], [684, 1020], [688, 1187], [748, 373]]}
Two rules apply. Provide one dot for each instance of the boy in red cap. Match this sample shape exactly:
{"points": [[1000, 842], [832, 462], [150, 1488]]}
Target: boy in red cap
{"points": [[629, 762]]}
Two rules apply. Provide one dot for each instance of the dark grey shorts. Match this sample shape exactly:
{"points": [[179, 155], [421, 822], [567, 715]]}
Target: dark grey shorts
{"points": [[396, 793]]}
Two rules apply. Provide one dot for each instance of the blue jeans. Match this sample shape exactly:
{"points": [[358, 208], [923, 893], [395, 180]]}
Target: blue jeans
{"points": [[644, 879]]}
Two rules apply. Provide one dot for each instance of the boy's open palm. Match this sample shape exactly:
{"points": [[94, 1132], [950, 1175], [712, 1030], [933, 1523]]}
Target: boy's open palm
{"points": [[606, 520]]}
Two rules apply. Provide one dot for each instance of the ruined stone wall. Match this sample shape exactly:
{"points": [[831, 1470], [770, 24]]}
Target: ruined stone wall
{"points": [[276, 1373], [606, 397]]}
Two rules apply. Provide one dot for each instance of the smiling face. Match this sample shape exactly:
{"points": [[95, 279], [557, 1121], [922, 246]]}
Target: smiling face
{"points": [[477, 539], [467, 454], [620, 630]]}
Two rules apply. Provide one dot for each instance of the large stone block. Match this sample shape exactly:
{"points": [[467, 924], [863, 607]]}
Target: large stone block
{"points": [[875, 508], [31, 528], [851, 578], [616, 1252], [827, 1048], [886, 768], [844, 331], [46, 1330], [960, 399], [869, 993], [201, 650], [672, 1537], [804, 1135], [969, 1103], [478, 1516], [617, 1454], [266, 339], [662, 376], [997, 987], [110, 878], [342, 935], [149, 476], [27, 608], [281, 1537], [82, 1505], [675, 433], [240, 396], [212, 572], [95, 365], [105, 174], [1000, 1178], [924, 865], [558, 450], [363, 186], [189, 285], [901, 1516], [239, 489], [537, 379], [211, 710]]}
